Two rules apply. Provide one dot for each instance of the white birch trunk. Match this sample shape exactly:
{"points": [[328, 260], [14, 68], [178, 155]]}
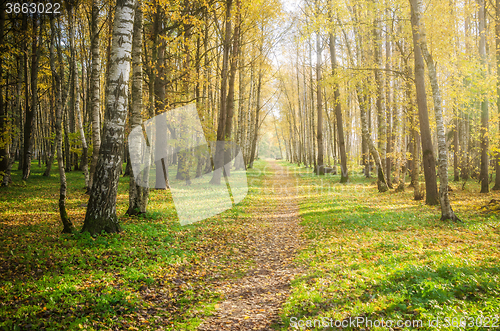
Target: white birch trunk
{"points": [[381, 183], [67, 224], [138, 195], [101, 210], [95, 86], [446, 210], [76, 88]]}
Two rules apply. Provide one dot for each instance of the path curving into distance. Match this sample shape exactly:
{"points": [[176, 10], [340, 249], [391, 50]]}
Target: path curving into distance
{"points": [[253, 301]]}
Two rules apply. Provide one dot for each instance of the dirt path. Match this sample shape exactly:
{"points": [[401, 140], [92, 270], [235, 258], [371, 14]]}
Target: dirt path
{"points": [[254, 301]]}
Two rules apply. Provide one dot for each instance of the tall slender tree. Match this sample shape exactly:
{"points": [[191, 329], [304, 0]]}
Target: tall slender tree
{"points": [[94, 90], [4, 130], [231, 83], [75, 99], [344, 176], [31, 104], [319, 105], [68, 226], [380, 99], [483, 177], [497, 60], [429, 162], [101, 210], [446, 210], [222, 118], [138, 195]]}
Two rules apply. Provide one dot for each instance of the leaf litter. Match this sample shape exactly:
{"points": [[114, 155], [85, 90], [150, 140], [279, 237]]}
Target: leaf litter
{"points": [[254, 301]]}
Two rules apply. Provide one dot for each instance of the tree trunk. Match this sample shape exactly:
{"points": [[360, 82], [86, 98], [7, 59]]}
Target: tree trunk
{"points": [[380, 102], [222, 118], [429, 162], [241, 133], [456, 150], [312, 131], [101, 210], [53, 144], [391, 115], [446, 210], [344, 176], [232, 79], [319, 104], [31, 110], [415, 171], [95, 88], [250, 119], [300, 153], [4, 131], [76, 94], [465, 147], [68, 226], [483, 177], [400, 150], [255, 131], [159, 95], [138, 195], [382, 185], [497, 57]]}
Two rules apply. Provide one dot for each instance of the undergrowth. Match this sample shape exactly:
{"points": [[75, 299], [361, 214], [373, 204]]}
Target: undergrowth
{"points": [[373, 256]]}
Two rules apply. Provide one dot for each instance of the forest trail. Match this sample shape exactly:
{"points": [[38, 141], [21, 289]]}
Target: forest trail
{"points": [[253, 302]]}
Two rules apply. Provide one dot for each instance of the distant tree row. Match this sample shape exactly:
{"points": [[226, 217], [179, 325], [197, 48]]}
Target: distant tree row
{"points": [[362, 75], [73, 85]]}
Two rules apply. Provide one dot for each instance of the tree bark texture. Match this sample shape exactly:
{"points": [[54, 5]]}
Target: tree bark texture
{"points": [[222, 118], [381, 183], [344, 176], [31, 105], [444, 198], [68, 226], [101, 210], [483, 177], [429, 162], [138, 195], [95, 88], [497, 57]]}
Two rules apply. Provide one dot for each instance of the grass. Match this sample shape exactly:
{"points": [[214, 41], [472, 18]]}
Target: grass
{"points": [[369, 255], [154, 275], [375, 256]]}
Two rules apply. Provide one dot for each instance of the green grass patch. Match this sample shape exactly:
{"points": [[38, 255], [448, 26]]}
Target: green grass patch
{"points": [[154, 273], [385, 256]]}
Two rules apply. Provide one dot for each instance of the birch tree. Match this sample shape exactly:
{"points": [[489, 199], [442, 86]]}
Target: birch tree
{"points": [[95, 88], [497, 61], [429, 162], [483, 177], [31, 103], [344, 176], [138, 195], [446, 210], [76, 92], [381, 183], [67, 224], [222, 118], [101, 210], [319, 102]]}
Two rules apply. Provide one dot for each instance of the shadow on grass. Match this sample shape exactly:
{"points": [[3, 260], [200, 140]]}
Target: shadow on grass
{"points": [[413, 293]]}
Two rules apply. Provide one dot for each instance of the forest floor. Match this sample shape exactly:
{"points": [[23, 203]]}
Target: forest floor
{"points": [[356, 253], [155, 275], [375, 259], [253, 302]]}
